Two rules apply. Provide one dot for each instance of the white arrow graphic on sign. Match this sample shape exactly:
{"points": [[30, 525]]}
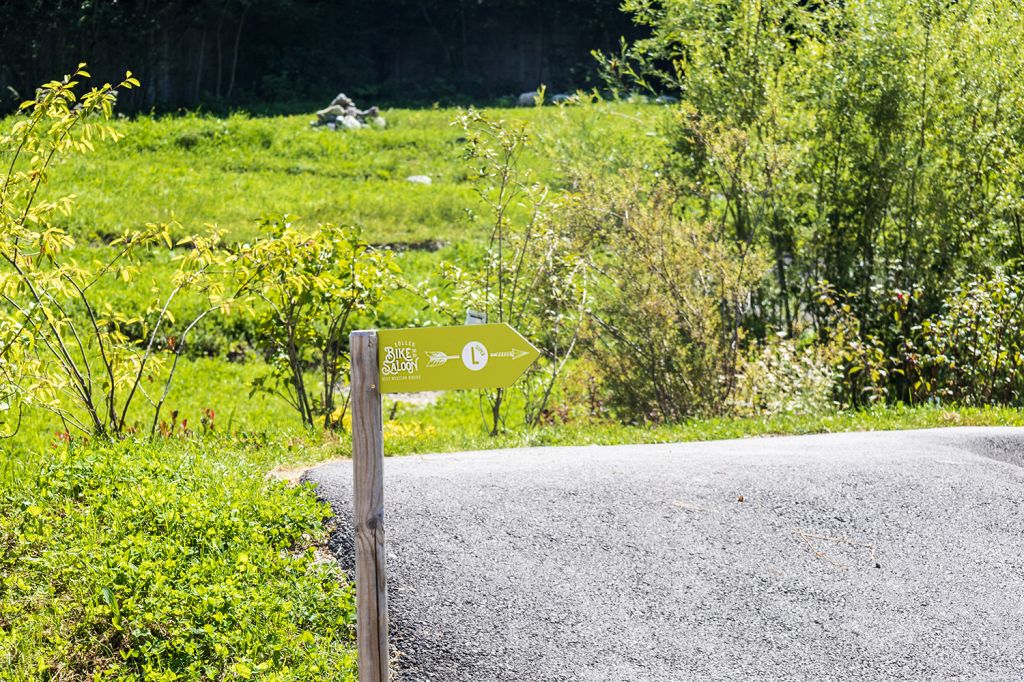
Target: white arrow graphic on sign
{"points": [[437, 358], [513, 354]]}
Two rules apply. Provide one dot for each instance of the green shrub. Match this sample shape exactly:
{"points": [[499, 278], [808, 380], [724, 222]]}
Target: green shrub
{"points": [[310, 289], [530, 276], [876, 362], [972, 352], [668, 300], [139, 562], [877, 145], [781, 377], [62, 348]]}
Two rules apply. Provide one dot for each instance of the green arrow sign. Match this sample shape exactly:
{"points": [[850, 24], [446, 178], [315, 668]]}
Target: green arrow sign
{"points": [[448, 358]]}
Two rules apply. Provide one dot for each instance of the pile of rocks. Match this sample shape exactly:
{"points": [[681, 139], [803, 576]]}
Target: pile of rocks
{"points": [[342, 114], [530, 99]]}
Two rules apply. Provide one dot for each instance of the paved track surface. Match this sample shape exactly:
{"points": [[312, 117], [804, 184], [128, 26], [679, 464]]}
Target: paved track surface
{"points": [[852, 556]]}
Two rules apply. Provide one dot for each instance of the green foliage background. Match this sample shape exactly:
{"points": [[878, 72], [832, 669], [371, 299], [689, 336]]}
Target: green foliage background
{"points": [[866, 160], [876, 148]]}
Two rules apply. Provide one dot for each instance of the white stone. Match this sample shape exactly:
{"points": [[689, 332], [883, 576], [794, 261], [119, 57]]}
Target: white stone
{"points": [[528, 99], [350, 123]]}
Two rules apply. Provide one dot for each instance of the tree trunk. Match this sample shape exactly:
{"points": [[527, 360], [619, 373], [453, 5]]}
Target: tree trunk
{"points": [[234, 57]]}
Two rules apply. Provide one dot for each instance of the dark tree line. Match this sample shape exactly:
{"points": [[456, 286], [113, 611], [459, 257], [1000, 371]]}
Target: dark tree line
{"points": [[275, 53]]}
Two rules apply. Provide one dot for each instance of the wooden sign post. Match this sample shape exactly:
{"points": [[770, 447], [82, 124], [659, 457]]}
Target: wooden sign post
{"points": [[368, 489], [402, 361]]}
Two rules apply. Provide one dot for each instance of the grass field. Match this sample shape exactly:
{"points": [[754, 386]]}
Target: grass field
{"points": [[227, 172]]}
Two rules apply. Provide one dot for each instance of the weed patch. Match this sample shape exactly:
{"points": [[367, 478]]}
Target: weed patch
{"points": [[163, 562]]}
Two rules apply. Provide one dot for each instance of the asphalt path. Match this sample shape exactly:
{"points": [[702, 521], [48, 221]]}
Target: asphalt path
{"points": [[869, 556]]}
